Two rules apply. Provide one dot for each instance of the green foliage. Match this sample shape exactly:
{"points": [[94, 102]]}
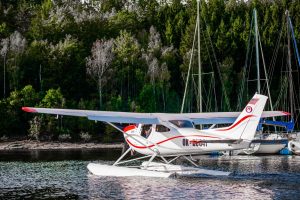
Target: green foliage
{"points": [[26, 97], [49, 43], [14, 122], [115, 104], [124, 20], [49, 127], [111, 135], [3, 29], [9, 120], [53, 99], [147, 99], [126, 47]]}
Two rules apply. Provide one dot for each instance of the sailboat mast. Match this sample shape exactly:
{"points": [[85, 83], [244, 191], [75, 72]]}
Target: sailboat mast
{"points": [[257, 50], [199, 59], [289, 65]]}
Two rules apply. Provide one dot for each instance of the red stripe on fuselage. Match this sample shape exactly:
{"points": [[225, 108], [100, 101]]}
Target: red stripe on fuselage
{"points": [[163, 141], [237, 123]]}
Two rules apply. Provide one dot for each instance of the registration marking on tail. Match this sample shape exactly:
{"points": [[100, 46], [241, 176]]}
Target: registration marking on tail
{"points": [[253, 101]]}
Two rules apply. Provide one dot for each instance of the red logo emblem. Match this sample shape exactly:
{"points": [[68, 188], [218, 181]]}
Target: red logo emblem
{"points": [[248, 109]]}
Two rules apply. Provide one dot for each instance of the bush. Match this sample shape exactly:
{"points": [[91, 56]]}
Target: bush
{"points": [[112, 135], [4, 138], [50, 125], [64, 137], [85, 136], [35, 127]]}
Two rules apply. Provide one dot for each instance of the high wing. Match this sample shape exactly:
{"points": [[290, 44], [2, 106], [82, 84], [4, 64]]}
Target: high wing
{"points": [[150, 118], [105, 116]]}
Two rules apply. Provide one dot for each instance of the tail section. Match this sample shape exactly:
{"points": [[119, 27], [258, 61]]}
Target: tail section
{"points": [[246, 124]]}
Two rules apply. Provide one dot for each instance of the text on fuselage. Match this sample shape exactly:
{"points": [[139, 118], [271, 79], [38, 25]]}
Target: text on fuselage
{"points": [[194, 142]]}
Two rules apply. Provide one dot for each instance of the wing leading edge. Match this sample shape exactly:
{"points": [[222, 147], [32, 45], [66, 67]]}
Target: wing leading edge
{"points": [[149, 118]]}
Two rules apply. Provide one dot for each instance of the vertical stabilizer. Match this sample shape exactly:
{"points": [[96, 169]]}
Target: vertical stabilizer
{"points": [[246, 124]]}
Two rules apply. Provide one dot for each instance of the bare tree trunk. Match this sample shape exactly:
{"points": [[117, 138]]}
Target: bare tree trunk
{"points": [[154, 95], [4, 78], [15, 76], [163, 96], [128, 93], [100, 93]]}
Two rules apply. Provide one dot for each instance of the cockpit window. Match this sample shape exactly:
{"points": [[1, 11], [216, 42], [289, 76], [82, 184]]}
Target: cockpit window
{"points": [[182, 123], [161, 128], [146, 130]]}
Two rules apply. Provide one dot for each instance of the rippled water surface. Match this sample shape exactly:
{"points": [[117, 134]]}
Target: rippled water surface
{"points": [[63, 175]]}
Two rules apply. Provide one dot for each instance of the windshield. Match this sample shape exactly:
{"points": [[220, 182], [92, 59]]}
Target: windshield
{"points": [[182, 123]]}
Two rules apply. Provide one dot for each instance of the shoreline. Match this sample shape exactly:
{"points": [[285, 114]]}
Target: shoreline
{"points": [[37, 145]]}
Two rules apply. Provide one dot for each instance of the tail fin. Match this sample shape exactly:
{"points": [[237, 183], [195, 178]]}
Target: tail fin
{"points": [[246, 124]]}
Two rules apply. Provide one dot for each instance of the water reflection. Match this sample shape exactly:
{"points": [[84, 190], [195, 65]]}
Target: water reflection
{"points": [[264, 177], [57, 155], [190, 188], [36, 193]]}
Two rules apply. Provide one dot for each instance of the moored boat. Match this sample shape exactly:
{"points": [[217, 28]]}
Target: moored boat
{"points": [[272, 144], [294, 146]]}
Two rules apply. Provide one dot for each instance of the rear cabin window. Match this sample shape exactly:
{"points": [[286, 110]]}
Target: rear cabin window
{"points": [[161, 128], [182, 123]]}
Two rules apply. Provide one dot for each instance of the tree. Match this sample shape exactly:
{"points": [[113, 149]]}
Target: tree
{"points": [[157, 69], [99, 63], [4, 52], [127, 50], [65, 59], [17, 45]]}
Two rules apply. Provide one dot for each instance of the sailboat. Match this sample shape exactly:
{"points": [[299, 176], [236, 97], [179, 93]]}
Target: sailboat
{"points": [[287, 98], [294, 143], [265, 143], [270, 143]]}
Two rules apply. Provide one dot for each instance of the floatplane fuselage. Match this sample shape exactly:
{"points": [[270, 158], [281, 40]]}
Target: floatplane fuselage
{"points": [[170, 140]]}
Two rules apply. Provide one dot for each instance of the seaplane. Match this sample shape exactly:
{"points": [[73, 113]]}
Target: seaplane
{"points": [[162, 138]]}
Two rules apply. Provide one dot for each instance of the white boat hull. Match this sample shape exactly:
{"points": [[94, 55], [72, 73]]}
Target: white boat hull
{"points": [[272, 144], [269, 148], [258, 148]]}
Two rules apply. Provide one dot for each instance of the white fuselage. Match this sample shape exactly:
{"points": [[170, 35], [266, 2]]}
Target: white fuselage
{"points": [[179, 141]]}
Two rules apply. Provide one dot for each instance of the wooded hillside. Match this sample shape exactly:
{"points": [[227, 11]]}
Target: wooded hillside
{"points": [[122, 55]]}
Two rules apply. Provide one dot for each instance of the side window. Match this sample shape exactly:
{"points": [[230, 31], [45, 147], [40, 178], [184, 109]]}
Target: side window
{"points": [[161, 128]]}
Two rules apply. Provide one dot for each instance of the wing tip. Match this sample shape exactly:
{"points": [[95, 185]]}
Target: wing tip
{"points": [[28, 109], [286, 113]]}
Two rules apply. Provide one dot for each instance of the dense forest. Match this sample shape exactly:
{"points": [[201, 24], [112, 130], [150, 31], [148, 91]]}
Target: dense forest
{"points": [[121, 55]]}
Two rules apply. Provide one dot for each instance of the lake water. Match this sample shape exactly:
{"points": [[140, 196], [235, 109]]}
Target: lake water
{"points": [[63, 175]]}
